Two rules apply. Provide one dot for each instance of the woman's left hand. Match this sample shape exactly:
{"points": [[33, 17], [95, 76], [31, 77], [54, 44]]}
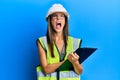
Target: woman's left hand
{"points": [[73, 57]]}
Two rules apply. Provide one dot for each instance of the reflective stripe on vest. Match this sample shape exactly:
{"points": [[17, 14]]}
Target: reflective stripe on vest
{"points": [[63, 74], [73, 44]]}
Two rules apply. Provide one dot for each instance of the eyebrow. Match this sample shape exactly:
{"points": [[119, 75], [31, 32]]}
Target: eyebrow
{"points": [[58, 13]]}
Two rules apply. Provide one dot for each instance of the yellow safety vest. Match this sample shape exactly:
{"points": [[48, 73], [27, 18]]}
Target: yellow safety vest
{"points": [[73, 44]]}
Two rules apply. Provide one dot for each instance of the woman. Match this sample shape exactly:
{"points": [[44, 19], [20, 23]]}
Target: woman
{"points": [[56, 47]]}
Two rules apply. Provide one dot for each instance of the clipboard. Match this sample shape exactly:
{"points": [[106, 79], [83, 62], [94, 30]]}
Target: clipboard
{"points": [[84, 53]]}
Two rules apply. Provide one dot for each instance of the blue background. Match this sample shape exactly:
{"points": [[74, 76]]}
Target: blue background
{"points": [[97, 22]]}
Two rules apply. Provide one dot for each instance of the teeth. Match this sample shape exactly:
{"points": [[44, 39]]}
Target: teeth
{"points": [[58, 23]]}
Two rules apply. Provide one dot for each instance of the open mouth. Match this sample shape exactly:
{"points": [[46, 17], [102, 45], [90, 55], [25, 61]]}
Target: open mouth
{"points": [[58, 25]]}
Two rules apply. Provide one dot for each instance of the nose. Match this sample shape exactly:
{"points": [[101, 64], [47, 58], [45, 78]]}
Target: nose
{"points": [[58, 17]]}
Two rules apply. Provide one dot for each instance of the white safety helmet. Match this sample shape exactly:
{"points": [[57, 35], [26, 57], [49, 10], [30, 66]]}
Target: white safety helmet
{"points": [[57, 8]]}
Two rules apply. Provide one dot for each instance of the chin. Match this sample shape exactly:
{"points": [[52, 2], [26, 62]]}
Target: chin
{"points": [[58, 31]]}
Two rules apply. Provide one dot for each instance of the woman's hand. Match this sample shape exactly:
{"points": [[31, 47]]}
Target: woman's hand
{"points": [[73, 57]]}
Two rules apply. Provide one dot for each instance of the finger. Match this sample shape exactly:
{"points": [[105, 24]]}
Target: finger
{"points": [[70, 56], [76, 55]]}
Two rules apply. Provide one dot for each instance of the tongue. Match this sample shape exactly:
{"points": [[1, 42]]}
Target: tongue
{"points": [[58, 26]]}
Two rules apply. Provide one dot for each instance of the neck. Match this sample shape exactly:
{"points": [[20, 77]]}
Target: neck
{"points": [[58, 37]]}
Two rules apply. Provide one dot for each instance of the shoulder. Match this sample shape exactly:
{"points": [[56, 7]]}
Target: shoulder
{"points": [[74, 38], [76, 41], [42, 37], [41, 40]]}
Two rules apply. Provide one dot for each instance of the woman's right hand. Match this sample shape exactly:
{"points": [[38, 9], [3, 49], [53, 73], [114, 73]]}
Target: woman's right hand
{"points": [[47, 68]]}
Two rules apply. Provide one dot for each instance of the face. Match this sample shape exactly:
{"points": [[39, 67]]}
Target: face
{"points": [[58, 21]]}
